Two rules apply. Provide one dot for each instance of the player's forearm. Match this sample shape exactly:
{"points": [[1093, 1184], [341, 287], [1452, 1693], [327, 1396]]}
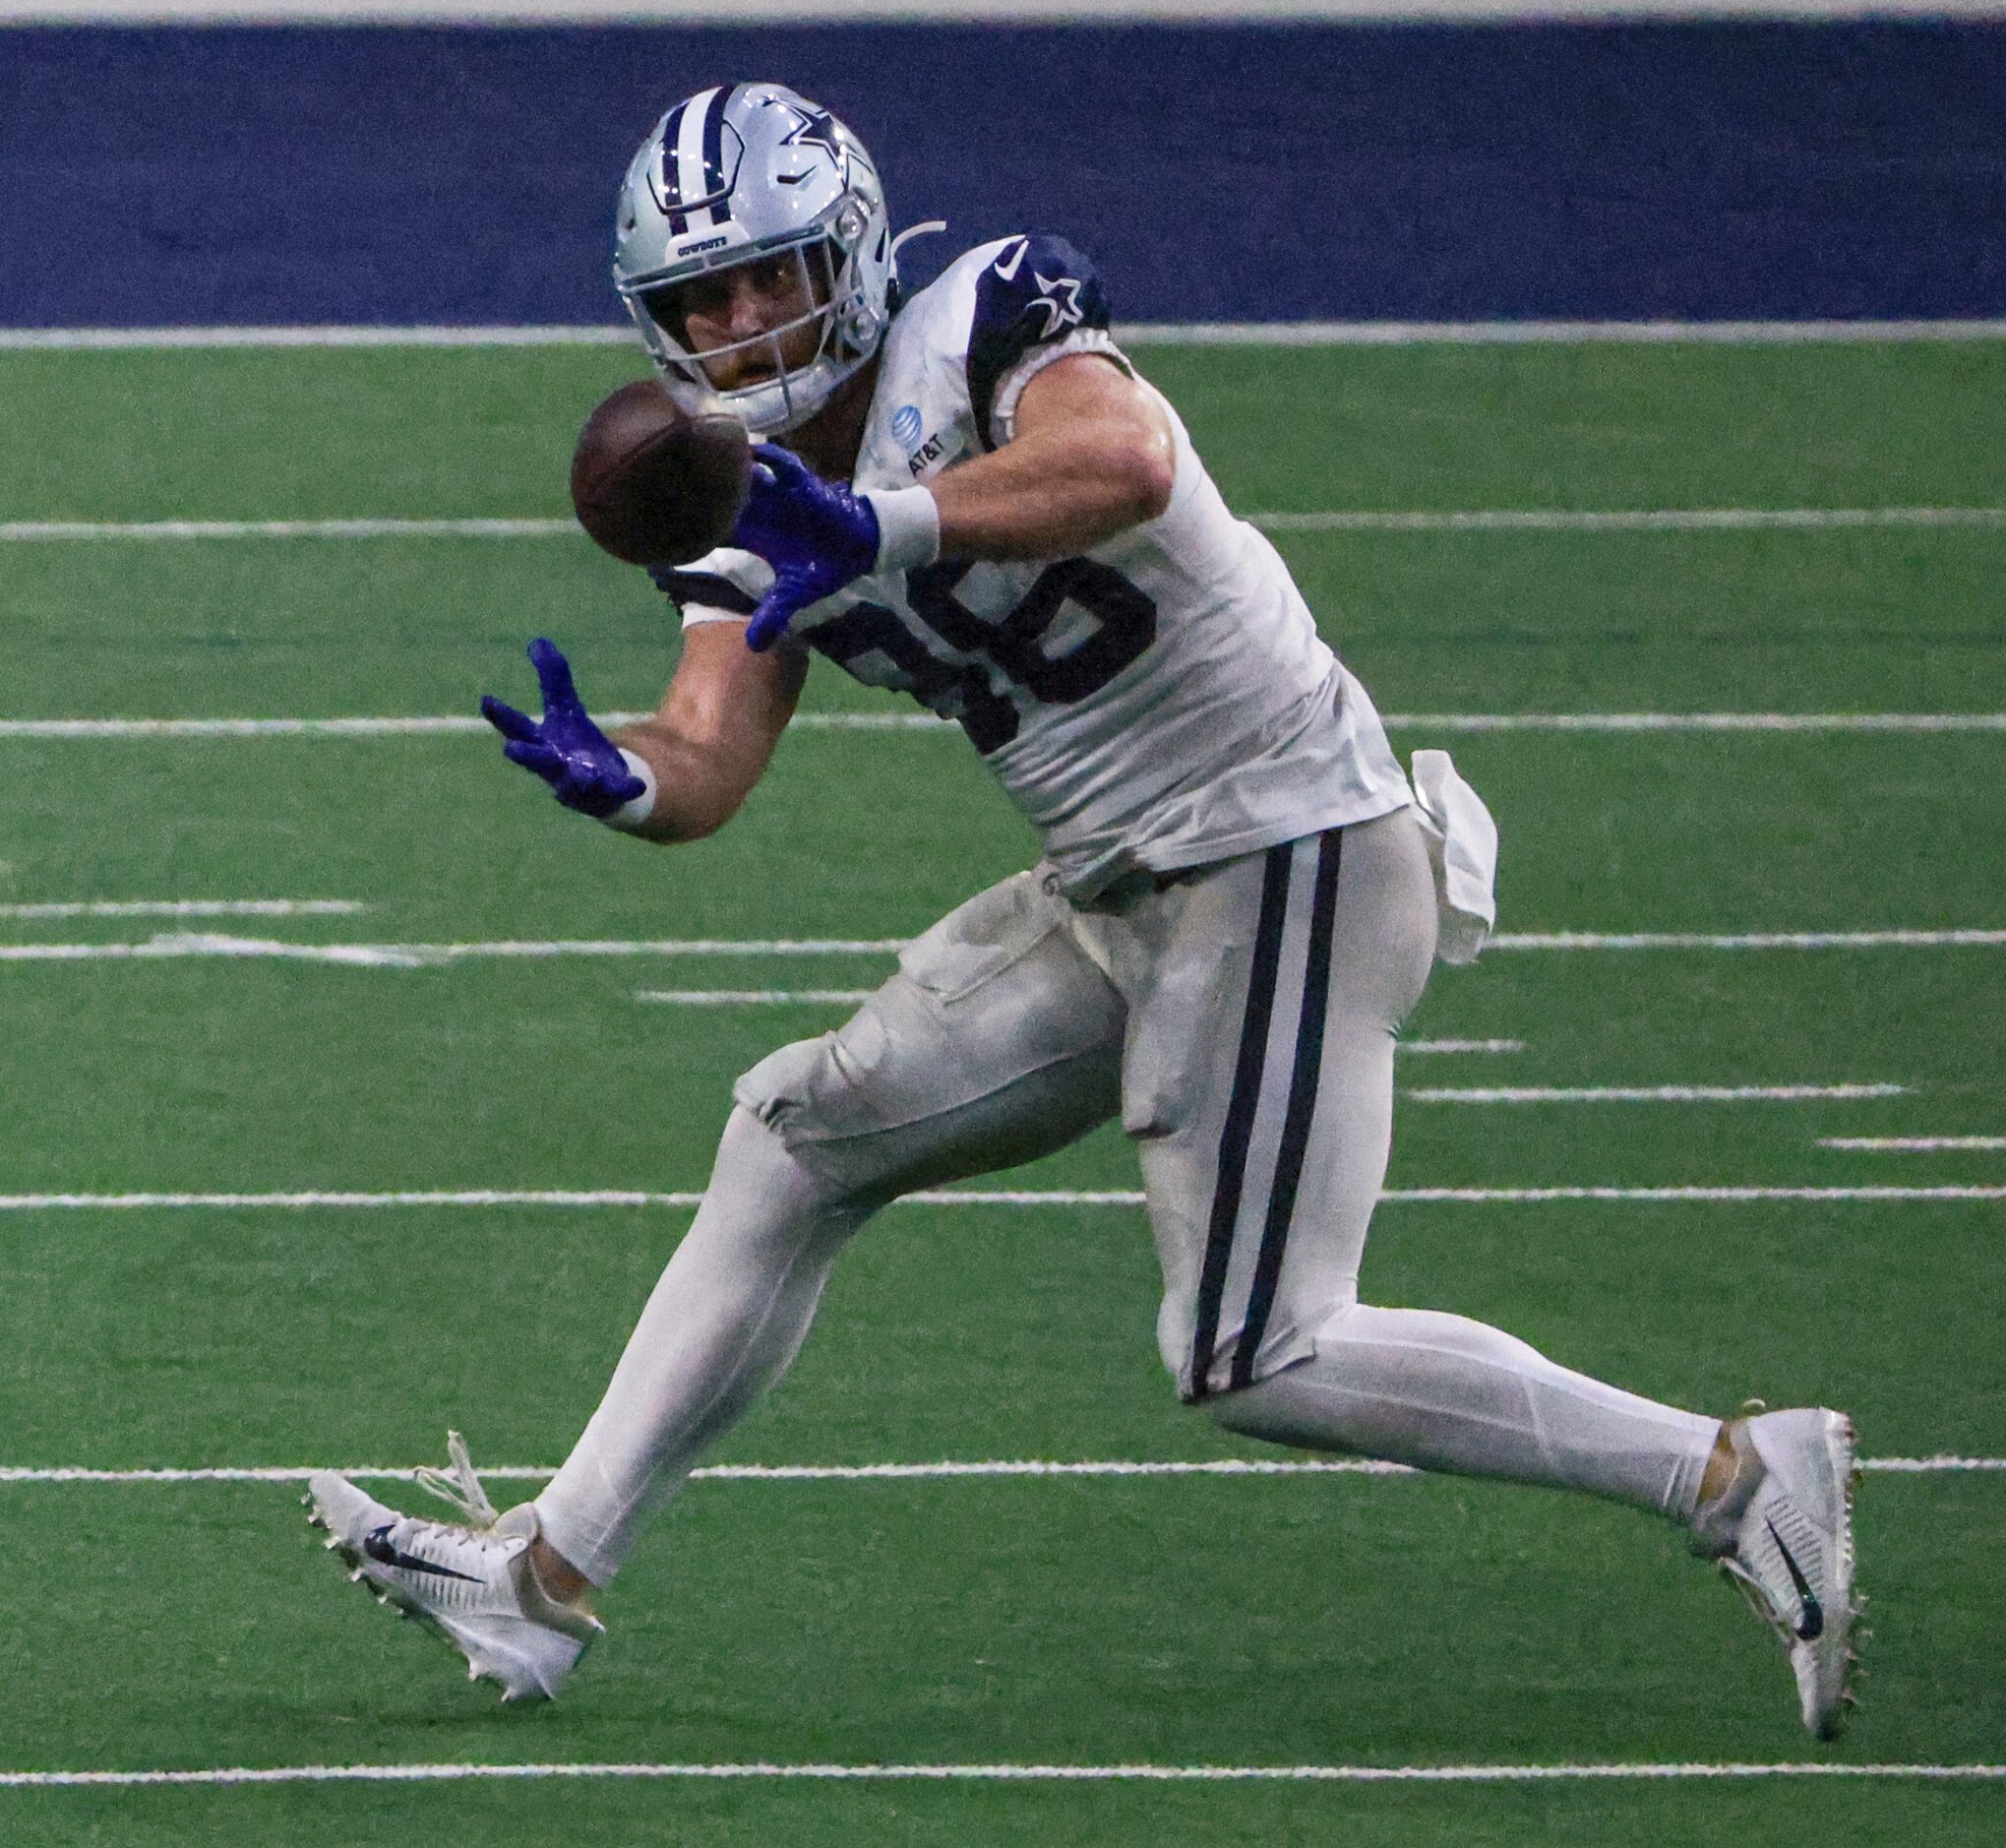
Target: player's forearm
{"points": [[1054, 493], [699, 784], [715, 731]]}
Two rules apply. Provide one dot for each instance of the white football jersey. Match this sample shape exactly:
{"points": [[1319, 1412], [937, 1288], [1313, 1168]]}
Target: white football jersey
{"points": [[1161, 701]]}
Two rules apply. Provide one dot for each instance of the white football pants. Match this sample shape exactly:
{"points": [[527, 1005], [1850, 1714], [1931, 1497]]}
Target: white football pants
{"points": [[1241, 1020]]}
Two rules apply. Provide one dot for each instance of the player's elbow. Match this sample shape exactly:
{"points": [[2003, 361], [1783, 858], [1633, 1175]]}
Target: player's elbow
{"points": [[1140, 474], [695, 814], [1155, 482]]}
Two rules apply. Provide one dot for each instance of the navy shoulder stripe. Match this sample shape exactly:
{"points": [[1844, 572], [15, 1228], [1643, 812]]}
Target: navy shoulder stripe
{"points": [[1038, 289], [701, 587]]}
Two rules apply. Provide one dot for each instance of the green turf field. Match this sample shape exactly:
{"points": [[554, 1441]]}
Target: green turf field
{"points": [[1170, 1621]]}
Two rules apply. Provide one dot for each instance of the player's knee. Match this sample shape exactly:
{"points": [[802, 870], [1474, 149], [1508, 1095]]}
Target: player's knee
{"points": [[762, 1192], [863, 1109], [797, 1093], [1240, 1411], [1252, 1407], [928, 1082], [821, 1171]]}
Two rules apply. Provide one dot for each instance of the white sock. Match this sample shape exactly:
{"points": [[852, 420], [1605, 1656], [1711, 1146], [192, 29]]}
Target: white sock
{"points": [[1438, 1392], [724, 1323]]}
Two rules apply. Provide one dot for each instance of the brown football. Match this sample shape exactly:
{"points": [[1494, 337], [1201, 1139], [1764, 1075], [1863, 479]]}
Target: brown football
{"points": [[654, 487]]}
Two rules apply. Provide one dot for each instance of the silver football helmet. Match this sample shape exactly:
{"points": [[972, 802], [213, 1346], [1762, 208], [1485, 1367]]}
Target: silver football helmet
{"points": [[743, 173]]}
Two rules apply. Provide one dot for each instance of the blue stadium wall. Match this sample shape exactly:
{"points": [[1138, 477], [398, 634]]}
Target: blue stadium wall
{"points": [[155, 177]]}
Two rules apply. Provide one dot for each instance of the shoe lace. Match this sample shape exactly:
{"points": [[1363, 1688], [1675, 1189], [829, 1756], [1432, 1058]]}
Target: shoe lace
{"points": [[459, 1486], [1760, 1602]]}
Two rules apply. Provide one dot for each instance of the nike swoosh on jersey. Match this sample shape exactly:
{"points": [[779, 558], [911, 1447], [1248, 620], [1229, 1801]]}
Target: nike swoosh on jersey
{"points": [[378, 1547], [1008, 272], [1812, 1624]]}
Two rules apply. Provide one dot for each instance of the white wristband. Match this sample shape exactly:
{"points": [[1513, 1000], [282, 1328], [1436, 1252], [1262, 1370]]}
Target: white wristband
{"points": [[637, 809], [908, 528]]}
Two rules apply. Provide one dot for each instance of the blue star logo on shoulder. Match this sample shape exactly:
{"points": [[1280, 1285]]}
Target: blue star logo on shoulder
{"points": [[1059, 297]]}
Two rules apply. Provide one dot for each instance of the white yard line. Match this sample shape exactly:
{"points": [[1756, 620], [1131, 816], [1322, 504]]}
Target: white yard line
{"points": [[186, 908], [452, 723], [1563, 333], [1632, 520], [1010, 1774], [1749, 939], [1458, 1045], [852, 997], [570, 1197], [64, 531], [1676, 1195], [182, 945], [991, 1469], [1656, 1094], [173, 945], [1911, 1145], [232, 338], [754, 997], [1131, 334], [803, 1472], [416, 726], [315, 1200], [1476, 519], [446, 724], [1697, 721]]}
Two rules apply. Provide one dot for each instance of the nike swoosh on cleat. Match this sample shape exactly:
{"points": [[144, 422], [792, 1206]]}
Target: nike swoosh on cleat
{"points": [[378, 1547], [1812, 1625]]}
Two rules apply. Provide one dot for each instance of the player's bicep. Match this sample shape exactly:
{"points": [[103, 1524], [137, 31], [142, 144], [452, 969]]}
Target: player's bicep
{"points": [[1090, 397]]}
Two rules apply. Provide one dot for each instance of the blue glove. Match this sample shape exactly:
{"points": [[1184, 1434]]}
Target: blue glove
{"points": [[582, 764], [815, 534]]}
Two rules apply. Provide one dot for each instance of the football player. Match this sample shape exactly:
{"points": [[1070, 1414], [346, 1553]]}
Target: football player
{"points": [[981, 503]]}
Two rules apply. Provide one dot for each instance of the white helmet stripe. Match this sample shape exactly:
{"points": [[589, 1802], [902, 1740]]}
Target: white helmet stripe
{"points": [[716, 183]]}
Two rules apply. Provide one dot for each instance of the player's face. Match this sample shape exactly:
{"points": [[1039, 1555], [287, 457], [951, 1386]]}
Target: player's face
{"points": [[750, 322]]}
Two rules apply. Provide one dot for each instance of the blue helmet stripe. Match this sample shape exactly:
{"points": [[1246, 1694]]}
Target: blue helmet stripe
{"points": [[671, 187], [671, 190]]}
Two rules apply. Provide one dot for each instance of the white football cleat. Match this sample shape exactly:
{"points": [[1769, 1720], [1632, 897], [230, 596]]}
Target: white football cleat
{"points": [[1786, 1539], [471, 1583]]}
